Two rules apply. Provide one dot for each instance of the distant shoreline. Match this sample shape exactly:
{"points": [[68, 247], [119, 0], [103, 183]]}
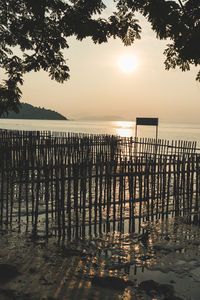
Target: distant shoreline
{"points": [[30, 112], [4, 118]]}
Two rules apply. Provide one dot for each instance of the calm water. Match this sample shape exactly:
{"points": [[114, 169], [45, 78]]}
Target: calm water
{"points": [[169, 131]]}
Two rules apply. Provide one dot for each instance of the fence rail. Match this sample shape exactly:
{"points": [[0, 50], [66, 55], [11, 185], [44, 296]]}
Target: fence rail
{"points": [[65, 183]]}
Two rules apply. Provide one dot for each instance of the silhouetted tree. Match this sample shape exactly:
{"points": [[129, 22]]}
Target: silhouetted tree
{"points": [[40, 29], [178, 21]]}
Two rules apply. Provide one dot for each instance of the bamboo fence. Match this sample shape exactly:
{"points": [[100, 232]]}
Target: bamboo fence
{"points": [[76, 184]]}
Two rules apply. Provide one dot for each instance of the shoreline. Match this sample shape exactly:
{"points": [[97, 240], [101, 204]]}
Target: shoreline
{"points": [[108, 266]]}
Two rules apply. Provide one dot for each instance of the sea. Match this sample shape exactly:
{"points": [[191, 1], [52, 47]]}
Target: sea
{"points": [[167, 131]]}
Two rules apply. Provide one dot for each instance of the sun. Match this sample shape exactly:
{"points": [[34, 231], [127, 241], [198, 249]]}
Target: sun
{"points": [[127, 63]]}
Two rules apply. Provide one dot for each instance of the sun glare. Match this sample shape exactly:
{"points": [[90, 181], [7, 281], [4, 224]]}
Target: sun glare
{"points": [[124, 128], [127, 63]]}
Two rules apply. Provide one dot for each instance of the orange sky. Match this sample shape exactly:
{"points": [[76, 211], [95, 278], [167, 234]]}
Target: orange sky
{"points": [[99, 88]]}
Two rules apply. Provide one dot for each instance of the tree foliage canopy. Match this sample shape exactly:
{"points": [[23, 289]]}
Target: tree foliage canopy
{"points": [[40, 30]]}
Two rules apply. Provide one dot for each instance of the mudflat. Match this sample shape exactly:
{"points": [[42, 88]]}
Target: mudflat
{"points": [[162, 262]]}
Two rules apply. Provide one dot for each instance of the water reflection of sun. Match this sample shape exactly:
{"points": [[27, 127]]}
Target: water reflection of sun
{"points": [[125, 129]]}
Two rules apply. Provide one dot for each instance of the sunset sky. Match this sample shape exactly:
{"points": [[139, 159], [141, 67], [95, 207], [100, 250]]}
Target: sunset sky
{"points": [[98, 86]]}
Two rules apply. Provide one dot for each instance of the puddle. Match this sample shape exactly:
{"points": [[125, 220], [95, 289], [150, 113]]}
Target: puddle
{"points": [[184, 286], [160, 261]]}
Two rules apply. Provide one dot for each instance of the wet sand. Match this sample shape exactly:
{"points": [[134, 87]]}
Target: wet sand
{"points": [[161, 263]]}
